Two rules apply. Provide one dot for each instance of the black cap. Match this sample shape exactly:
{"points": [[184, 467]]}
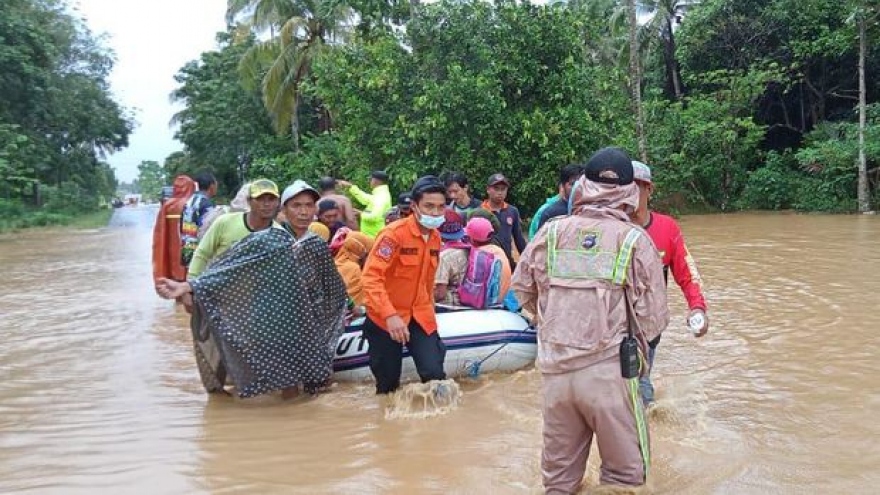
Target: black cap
{"points": [[610, 166], [379, 175], [497, 179], [427, 184], [404, 199]]}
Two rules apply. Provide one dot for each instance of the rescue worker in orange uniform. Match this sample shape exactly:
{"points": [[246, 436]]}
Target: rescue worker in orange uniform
{"points": [[166, 232], [398, 284]]}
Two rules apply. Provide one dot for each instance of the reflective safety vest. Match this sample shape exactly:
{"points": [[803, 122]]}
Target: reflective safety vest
{"points": [[589, 257]]}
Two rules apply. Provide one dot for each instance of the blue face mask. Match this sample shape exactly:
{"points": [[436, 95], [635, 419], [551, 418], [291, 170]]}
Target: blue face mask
{"points": [[431, 222]]}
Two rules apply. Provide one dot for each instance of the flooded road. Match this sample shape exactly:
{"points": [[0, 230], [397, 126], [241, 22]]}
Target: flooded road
{"points": [[99, 392]]}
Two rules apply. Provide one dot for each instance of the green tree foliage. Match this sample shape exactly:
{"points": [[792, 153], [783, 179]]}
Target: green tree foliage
{"points": [[222, 121], [705, 144], [521, 96], [57, 117], [299, 32], [151, 178], [747, 103]]}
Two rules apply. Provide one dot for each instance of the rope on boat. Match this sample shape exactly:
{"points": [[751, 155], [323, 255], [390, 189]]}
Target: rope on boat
{"points": [[473, 367]]}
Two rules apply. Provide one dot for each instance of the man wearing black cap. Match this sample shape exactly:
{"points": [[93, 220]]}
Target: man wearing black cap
{"points": [[508, 215], [402, 210], [376, 205], [596, 283]]}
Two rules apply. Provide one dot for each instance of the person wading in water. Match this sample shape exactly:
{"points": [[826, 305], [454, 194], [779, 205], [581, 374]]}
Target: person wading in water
{"points": [[269, 310], [595, 282], [667, 236], [398, 283]]}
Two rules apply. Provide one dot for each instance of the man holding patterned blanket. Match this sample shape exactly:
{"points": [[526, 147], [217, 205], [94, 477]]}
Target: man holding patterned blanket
{"points": [[274, 306]]}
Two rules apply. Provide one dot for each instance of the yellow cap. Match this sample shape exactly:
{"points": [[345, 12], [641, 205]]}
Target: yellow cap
{"points": [[260, 187]]}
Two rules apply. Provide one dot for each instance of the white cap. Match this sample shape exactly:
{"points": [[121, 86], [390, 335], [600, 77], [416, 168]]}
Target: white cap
{"points": [[641, 172], [298, 187]]}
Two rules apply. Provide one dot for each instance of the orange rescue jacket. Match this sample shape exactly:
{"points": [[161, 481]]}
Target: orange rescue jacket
{"points": [[398, 278]]}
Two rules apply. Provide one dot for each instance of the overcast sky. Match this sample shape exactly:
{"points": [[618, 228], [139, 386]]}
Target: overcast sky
{"points": [[152, 40]]}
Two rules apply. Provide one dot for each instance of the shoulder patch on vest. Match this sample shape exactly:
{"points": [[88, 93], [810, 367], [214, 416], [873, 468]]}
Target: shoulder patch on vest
{"points": [[385, 249]]}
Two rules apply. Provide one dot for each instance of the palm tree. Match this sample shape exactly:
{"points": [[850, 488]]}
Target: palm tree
{"points": [[636, 78], [663, 15], [298, 32]]}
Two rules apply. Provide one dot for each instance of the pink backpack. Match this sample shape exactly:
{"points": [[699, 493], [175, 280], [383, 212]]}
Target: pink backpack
{"points": [[481, 284]]}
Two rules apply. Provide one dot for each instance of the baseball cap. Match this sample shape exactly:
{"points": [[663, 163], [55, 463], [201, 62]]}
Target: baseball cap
{"points": [[479, 229], [452, 228], [379, 175], [404, 200], [641, 172], [296, 188], [498, 179], [610, 166], [260, 187], [427, 184]]}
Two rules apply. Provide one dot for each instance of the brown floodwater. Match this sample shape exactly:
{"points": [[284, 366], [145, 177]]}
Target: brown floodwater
{"points": [[99, 392]]}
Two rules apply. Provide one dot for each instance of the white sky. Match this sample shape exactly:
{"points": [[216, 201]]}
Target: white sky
{"points": [[152, 40]]}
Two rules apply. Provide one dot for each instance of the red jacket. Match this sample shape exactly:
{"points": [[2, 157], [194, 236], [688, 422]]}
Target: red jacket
{"points": [[166, 232], [667, 236]]}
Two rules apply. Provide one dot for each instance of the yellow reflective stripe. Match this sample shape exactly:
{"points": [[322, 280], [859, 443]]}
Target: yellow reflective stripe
{"points": [[172, 216], [551, 249], [641, 424], [624, 256]]}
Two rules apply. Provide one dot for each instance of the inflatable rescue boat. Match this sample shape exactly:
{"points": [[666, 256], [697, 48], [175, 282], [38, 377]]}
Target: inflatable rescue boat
{"points": [[477, 341]]}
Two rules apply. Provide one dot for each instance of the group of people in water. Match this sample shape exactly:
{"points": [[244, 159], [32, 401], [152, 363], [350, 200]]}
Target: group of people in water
{"points": [[592, 278]]}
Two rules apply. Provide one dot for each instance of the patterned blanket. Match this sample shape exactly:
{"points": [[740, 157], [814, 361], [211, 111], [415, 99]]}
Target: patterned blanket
{"points": [[269, 313]]}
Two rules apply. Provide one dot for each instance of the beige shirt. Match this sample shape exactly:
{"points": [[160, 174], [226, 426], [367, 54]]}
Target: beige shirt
{"points": [[450, 271], [581, 315]]}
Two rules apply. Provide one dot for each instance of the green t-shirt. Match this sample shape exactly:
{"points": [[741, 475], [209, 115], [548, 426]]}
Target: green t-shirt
{"points": [[223, 233]]}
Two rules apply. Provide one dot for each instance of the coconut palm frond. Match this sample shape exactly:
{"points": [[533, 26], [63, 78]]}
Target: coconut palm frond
{"points": [[279, 92], [299, 32], [295, 29], [253, 63], [234, 8], [178, 118]]}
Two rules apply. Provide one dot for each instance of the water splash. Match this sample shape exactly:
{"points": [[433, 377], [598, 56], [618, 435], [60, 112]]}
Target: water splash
{"points": [[423, 400]]}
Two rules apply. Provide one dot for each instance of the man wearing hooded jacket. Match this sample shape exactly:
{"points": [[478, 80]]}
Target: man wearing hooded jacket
{"points": [[166, 232], [578, 276]]}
